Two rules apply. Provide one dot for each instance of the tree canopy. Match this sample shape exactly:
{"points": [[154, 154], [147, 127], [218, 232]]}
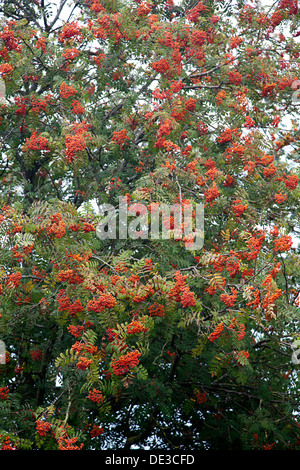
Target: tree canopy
{"points": [[139, 342]]}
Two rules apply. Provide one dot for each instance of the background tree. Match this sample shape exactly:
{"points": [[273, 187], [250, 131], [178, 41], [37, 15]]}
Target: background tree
{"points": [[145, 343]]}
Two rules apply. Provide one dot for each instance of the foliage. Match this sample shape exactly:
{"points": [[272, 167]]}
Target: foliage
{"points": [[121, 343]]}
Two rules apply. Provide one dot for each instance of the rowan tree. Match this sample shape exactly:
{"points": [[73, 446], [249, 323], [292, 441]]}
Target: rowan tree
{"points": [[146, 343]]}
